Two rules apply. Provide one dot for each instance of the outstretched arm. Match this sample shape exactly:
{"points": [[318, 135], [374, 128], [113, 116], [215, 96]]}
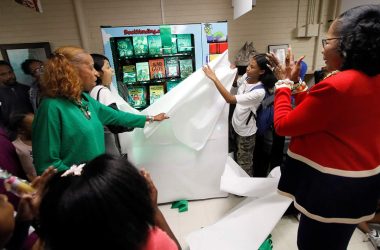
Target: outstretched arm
{"points": [[109, 116], [222, 90]]}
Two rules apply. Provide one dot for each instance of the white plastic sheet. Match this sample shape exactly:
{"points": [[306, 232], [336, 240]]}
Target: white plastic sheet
{"points": [[251, 221], [185, 154]]}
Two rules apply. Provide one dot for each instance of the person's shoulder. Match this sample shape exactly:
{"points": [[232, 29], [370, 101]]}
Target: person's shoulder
{"points": [[94, 91], [349, 74], [158, 239], [258, 89], [105, 91], [338, 83], [104, 96], [344, 79], [19, 145], [53, 103], [22, 86]]}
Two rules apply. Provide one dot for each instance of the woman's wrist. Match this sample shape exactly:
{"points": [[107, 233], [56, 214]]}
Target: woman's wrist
{"points": [[150, 118], [285, 83]]}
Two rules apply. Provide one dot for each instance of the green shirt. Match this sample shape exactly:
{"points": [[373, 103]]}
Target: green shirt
{"points": [[63, 136]]}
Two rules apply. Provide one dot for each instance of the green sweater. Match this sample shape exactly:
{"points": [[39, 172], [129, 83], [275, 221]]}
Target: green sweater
{"points": [[63, 136]]}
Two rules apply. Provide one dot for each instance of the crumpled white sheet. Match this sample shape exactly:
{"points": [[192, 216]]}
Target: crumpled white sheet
{"points": [[248, 224], [185, 154]]}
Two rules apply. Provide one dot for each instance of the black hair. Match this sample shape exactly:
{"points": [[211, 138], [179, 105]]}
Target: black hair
{"points": [[359, 29], [16, 122], [25, 66], [5, 63], [106, 207], [268, 79], [98, 65]]}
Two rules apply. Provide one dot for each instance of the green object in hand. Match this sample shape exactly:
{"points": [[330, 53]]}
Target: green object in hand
{"points": [[182, 205]]}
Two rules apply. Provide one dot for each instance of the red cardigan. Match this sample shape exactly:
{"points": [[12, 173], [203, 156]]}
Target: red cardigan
{"points": [[335, 128]]}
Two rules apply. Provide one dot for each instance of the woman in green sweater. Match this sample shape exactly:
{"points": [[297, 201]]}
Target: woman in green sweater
{"points": [[68, 127]]}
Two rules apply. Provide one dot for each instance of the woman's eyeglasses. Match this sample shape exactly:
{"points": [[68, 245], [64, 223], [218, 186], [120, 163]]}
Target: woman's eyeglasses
{"points": [[324, 41]]}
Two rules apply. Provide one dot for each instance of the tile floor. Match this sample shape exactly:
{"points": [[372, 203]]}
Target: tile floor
{"points": [[206, 212]]}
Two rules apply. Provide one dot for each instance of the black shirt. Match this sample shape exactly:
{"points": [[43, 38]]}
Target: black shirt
{"points": [[14, 99]]}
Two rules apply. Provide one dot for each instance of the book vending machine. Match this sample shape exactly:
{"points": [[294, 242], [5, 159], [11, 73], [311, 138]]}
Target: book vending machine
{"points": [[151, 60]]}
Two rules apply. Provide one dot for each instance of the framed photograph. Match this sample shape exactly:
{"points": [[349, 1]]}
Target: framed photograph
{"points": [[279, 50], [16, 54]]}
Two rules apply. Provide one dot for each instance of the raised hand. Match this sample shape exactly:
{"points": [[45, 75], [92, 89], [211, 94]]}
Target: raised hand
{"points": [[30, 203], [209, 73], [290, 70]]}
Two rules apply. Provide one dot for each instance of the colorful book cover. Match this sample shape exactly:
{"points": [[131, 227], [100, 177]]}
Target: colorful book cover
{"points": [[184, 43], [171, 84], [142, 71], [125, 47], [140, 45], [129, 73], [186, 67], [155, 45], [172, 67], [213, 48], [213, 56], [155, 92], [173, 48], [222, 47], [157, 68], [137, 96]]}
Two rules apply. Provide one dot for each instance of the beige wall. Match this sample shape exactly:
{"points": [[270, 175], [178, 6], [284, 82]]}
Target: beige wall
{"points": [[56, 25], [270, 22]]}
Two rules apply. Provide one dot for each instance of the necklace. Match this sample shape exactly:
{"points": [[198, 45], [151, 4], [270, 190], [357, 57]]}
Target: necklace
{"points": [[84, 109], [331, 74]]}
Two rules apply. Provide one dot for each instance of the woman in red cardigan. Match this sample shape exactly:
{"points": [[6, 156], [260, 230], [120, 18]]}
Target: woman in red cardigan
{"points": [[333, 168]]}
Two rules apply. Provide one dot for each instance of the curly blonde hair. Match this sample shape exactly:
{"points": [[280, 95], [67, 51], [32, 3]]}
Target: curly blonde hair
{"points": [[61, 78]]}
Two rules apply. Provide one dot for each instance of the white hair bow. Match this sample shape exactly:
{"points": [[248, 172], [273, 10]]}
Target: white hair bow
{"points": [[74, 170]]}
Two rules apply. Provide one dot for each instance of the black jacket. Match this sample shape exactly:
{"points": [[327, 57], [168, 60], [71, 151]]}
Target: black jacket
{"points": [[13, 99]]}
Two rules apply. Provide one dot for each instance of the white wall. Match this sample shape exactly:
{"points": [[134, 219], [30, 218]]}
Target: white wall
{"points": [[270, 22]]}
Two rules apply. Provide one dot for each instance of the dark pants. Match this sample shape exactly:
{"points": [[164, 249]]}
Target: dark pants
{"points": [[315, 235], [231, 131], [268, 154]]}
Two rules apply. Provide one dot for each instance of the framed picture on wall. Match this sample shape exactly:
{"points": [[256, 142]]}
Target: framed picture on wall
{"points": [[17, 53], [279, 50]]}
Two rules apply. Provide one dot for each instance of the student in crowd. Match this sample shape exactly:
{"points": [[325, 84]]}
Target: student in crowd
{"points": [[15, 233], [108, 204], [68, 127], [7, 222], [35, 69], [270, 149], [103, 94], [9, 161], [14, 97], [251, 91], [332, 170], [22, 125]]}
